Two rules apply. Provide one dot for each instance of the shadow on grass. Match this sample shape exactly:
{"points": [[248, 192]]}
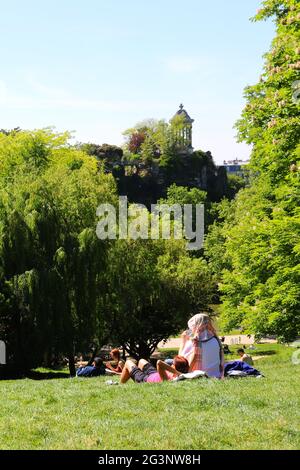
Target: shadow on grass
{"points": [[37, 375], [264, 353], [10, 373]]}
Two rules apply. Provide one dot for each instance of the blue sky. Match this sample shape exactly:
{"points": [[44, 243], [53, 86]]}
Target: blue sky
{"points": [[97, 67]]}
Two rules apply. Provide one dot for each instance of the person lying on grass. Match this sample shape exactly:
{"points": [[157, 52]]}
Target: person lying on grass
{"points": [[116, 365], [146, 372], [94, 370]]}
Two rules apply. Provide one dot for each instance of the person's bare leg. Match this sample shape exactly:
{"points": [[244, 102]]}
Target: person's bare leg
{"points": [[125, 376], [142, 363]]}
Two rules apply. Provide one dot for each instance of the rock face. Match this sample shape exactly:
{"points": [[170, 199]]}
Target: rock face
{"points": [[146, 184]]}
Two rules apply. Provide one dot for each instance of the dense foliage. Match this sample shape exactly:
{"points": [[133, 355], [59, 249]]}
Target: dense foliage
{"points": [[61, 288], [152, 289], [50, 257], [259, 263]]}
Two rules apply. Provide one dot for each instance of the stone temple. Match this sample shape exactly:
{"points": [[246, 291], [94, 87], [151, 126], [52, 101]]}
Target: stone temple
{"points": [[184, 133]]}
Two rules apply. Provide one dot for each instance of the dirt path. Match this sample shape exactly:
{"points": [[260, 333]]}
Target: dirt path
{"points": [[231, 340]]}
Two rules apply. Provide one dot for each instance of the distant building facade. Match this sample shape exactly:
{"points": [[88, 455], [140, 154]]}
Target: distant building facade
{"points": [[236, 167]]}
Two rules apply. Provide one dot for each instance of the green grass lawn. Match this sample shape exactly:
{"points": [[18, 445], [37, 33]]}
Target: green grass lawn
{"points": [[246, 413]]}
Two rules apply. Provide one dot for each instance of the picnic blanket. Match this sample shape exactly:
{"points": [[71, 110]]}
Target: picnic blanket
{"points": [[239, 369]]}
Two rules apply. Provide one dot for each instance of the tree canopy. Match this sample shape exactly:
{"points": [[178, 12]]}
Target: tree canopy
{"points": [[258, 265], [61, 288], [50, 257]]}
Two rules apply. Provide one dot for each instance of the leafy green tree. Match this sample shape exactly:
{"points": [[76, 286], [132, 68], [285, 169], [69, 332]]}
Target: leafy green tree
{"points": [[235, 184], [149, 150], [152, 289], [181, 195], [260, 234], [136, 136], [270, 120], [153, 140], [107, 152]]}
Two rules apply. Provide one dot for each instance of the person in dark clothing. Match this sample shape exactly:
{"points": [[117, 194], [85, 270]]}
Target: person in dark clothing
{"points": [[226, 349], [97, 368]]}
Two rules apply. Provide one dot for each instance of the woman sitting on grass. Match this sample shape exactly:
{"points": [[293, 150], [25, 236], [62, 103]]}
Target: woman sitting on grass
{"points": [[202, 348], [116, 365], [146, 372]]}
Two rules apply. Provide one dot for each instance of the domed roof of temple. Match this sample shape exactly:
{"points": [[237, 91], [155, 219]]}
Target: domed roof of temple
{"points": [[184, 113]]}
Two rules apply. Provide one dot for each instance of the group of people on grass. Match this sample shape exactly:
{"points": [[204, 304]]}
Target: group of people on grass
{"points": [[200, 350], [97, 366]]}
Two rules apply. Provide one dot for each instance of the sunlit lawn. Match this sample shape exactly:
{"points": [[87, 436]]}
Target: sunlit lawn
{"points": [[207, 414]]}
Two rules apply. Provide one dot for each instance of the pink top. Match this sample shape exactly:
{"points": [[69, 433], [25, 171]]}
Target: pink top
{"points": [[155, 378]]}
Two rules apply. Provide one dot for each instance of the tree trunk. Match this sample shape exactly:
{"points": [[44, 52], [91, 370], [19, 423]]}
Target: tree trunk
{"points": [[124, 353], [144, 351], [47, 359], [72, 365]]}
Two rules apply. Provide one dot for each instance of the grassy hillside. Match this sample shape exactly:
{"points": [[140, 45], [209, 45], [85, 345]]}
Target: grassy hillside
{"points": [[208, 414]]}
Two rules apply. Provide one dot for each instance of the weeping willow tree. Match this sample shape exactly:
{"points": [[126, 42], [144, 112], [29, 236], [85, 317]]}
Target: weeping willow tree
{"points": [[51, 262]]}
